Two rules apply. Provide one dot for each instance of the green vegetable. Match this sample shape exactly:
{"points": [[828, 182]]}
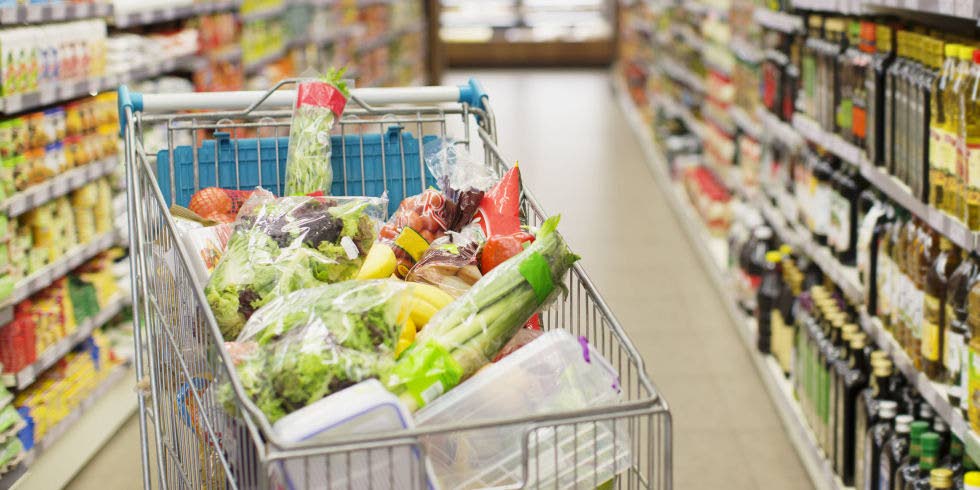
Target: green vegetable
{"points": [[289, 244], [314, 342], [308, 167], [465, 335]]}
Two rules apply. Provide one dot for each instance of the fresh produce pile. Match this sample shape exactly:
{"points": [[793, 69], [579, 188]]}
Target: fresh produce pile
{"points": [[314, 294]]}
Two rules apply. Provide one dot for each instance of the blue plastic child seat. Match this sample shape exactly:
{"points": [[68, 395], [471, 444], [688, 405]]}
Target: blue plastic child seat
{"points": [[402, 174]]}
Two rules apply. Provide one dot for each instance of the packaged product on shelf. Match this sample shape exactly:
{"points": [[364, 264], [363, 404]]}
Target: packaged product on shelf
{"points": [[363, 408], [281, 245], [971, 142], [319, 103], [553, 373]]}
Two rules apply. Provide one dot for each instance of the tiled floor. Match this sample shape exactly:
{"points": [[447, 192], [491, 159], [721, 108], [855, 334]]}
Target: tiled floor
{"points": [[578, 155]]}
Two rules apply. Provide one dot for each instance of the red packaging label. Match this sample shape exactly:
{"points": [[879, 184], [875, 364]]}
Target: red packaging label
{"points": [[321, 94]]}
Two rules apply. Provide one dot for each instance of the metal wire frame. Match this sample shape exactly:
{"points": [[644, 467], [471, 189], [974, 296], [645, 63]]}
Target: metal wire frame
{"points": [[199, 445]]}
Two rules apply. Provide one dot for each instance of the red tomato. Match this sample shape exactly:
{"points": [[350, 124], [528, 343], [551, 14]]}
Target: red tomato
{"points": [[500, 248]]}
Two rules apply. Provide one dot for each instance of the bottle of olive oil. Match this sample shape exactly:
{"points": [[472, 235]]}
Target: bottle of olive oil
{"points": [[941, 172], [934, 309], [961, 79], [971, 126], [957, 335], [930, 63], [809, 57]]}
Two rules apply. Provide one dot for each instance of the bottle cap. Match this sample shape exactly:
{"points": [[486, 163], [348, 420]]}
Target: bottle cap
{"points": [[930, 441], [786, 250], [848, 331], [917, 428], [883, 369], [762, 233], [887, 409], [941, 478], [859, 340], [878, 354], [902, 422], [939, 425], [925, 411], [972, 479], [773, 257]]}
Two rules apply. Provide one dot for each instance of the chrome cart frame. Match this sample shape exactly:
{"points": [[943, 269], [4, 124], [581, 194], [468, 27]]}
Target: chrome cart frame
{"points": [[189, 437]]}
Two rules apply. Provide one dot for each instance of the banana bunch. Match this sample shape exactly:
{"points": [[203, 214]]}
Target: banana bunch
{"points": [[423, 302]]}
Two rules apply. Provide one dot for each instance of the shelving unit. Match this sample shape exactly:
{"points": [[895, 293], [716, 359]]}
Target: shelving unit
{"points": [[23, 378], [57, 12], [54, 271], [779, 21], [58, 186], [779, 390], [166, 14]]}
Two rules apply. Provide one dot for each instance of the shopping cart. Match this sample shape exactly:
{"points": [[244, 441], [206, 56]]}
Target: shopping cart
{"points": [[191, 439]]}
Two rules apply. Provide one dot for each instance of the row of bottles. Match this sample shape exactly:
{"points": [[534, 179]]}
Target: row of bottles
{"points": [[873, 427], [909, 98]]}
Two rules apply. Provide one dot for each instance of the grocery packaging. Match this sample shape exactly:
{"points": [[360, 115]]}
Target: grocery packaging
{"points": [[363, 408], [319, 103], [206, 245], [554, 373], [286, 244], [465, 335], [311, 343], [450, 263]]}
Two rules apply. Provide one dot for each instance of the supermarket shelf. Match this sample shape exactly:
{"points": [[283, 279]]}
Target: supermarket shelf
{"points": [[832, 142], [54, 271], [387, 38], [802, 438], [746, 51], [58, 186], [932, 392], [6, 400], [265, 14], [12, 432], [331, 37], [945, 224], [64, 91], [745, 122], [166, 14], [23, 378], [693, 124], [779, 130], [57, 12], [253, 67], [849, 7], [13, 471], [966, 9], [681, 73], [68, 446], [846, 278], [778, 21]]}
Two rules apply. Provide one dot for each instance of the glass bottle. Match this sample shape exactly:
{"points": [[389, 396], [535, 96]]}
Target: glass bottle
{"points": [[934, 309], [956, 326], [823, 172], [954, 458], [767, 298], [783, 317], [960, 81], [918, 478], [944, 131], [844, 212], [900, 452], [882, 266], [862, 62], [808, 62], [845, 63], [852, 378], [882, 59], [876, 440], [838, 368], [893, 105], [901, 240], [930, 62], [926, 249], [972, 366], [868, 407], [908, 472], [971, 126], [874, 211]]}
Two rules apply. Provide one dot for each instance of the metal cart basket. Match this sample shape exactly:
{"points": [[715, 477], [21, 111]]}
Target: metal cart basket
{"points": [[238, 140]]}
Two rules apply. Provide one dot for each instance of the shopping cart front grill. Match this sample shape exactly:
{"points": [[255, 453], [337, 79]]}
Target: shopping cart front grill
{"points": [[200, 430]]}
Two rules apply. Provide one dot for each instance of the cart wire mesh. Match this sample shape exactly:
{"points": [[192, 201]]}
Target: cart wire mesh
{"points": [[197, 435]]}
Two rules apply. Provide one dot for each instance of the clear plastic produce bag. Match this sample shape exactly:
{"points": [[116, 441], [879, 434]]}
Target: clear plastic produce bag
{"points": [[319, 103], [306, 345], [286, 244]]}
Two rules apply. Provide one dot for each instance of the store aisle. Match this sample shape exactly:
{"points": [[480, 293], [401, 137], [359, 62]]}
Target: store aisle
{"points": [[580, 157]]}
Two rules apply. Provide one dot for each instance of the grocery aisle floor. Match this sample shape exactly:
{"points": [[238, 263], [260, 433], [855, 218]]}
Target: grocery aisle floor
{"points": [[580, 158]]}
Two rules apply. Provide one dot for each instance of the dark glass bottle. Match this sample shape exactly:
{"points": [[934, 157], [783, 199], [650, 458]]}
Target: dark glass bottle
{"points": [[898, 453], [875, 440], [917, 478], [852, 378], [954, 457], [823, 172], [844, 213], [753, 260], [829, 354], [957, 329], [925, 249], [868, 407], [934, 309], [911, 457], [767, 299], [838, 368], [875, 85]]}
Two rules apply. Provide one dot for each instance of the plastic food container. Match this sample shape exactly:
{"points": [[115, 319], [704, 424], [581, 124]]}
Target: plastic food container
{"points": [[554, 373], [364, 408]]}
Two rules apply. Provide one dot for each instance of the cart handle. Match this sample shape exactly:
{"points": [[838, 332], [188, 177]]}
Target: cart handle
{"points": [[472, 93]]}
